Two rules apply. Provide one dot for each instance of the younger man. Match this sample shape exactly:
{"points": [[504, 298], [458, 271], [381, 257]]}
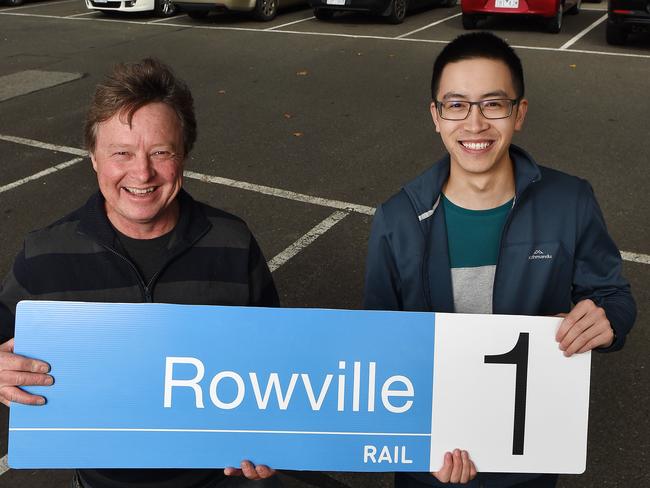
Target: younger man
{"points": [[487, 230]]}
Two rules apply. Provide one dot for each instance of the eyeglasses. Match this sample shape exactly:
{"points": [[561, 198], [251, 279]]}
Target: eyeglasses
{"points": [[498, 108]]}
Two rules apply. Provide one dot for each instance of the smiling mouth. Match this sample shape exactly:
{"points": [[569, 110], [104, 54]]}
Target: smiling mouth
{"points": [[139, 191], [476, 146]]}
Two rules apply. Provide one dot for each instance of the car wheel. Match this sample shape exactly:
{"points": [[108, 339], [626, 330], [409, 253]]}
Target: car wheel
{"points": [[265, 10], [323, 13], [616, 34], [397, 11], [164, 8], [197, 14], [469, 21], [554, 24], [575, 10]]}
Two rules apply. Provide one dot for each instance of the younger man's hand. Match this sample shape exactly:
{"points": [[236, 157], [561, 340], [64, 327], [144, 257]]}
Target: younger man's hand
{"points": [[585, 328], [250, 471], [457, 468]]}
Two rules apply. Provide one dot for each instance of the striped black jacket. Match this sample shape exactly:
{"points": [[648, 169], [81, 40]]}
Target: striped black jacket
{"points": [[213, 260]]}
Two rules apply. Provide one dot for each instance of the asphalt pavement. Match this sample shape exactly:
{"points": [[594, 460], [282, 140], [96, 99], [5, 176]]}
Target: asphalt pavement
{"points": [[300, 118]]}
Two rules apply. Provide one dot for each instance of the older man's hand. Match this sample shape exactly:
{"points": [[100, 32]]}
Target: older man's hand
{"points": [[16, 371], [250, 471], [585, 328]]}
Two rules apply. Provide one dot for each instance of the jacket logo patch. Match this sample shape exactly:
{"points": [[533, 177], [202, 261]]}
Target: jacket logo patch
{"points": [[540, 255]]}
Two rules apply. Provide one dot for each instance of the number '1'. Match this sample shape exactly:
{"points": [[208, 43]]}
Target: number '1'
{"points": [[518, 356]]}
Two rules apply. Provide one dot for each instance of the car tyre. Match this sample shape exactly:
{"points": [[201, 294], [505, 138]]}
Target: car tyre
{"points": [[615, 34], [323, 13], [469, 21], [197, 14], [554, 24], [397, 11], [575, 10], [164, 8], [265, 10]]}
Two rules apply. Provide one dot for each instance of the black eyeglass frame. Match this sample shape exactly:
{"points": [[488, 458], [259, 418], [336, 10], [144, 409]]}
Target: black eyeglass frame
{"points": [[513, 102]]}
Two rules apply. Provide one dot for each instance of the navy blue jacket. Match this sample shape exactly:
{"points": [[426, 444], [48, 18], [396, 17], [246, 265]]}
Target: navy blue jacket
{"points": [[408, 258], [554, 251]]}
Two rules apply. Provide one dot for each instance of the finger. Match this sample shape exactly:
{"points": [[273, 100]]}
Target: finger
{"points": [[22, 378], [472, 471], [590, 326], [248, 469], [11, 394], [464, 474], [444, 472], [572, 317], [7, 346], [230, 471], [457, 467], [264, 471], [15, 362], [601, 340]]}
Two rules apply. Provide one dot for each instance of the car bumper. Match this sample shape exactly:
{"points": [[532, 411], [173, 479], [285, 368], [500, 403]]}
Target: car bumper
{"points": [[374, 6], [236, 5], [543, 8], [122, 5], [632, 21]]}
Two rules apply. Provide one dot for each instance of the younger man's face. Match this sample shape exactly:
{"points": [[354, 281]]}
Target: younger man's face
{"points": [[478, 145]]}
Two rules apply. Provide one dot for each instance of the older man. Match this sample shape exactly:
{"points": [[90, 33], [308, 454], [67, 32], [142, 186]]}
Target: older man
{"points": [[140, 238]]}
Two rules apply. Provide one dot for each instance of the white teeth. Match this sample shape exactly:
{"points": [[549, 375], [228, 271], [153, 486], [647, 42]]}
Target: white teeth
{"points": [[139, 191], [476, 146]]}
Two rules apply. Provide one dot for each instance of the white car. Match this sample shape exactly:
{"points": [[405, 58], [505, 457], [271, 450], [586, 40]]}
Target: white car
{"points": [[162, 8]]}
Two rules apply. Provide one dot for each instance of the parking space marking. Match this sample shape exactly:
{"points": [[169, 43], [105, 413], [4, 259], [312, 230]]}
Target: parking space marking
{"points": [[324, 34], [582, 33], [30, 81], [278, 192], [164, 18], [432, 24], [34, 5], [289, 23], [40, 174], [81, 15], [3, 465], [635, 257], [311, 235], [346, 207], [43, 145]]}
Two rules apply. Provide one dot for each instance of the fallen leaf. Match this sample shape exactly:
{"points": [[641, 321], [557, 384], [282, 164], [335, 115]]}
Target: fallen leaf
{"points": [[287, 115], [302, 73], [221, 92], [572, 66], [298, 134]]}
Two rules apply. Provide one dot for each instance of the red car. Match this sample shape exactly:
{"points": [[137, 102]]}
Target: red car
{"points": [[551, 10]]}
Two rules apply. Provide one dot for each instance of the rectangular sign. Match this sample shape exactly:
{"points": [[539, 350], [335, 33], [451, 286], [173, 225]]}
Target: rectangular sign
{"points": [[165, 386]]}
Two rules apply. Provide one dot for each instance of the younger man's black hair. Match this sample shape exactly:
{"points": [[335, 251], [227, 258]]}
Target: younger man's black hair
{"points": [[478, 45]]}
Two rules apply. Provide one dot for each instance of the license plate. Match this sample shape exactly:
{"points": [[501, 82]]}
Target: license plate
{"points": [[335, 2], [506, 4]]}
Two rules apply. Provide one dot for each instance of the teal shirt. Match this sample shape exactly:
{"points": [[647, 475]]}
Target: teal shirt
{"points": [[473, 237]]}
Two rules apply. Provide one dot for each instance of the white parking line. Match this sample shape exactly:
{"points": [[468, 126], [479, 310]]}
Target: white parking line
{"points": [[306, 240], [346, 207], [165, 18], [327, 34], [81, 15], [40, 4], [277, 192], [583, 33], [430, 25], [40, 174], [289, 23]]}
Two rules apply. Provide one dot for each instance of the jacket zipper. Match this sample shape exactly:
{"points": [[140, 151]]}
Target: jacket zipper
{"points": [[503, 233]]}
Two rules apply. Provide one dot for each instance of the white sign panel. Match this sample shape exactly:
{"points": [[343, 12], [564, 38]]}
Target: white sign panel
{"points": [[519, 404]]}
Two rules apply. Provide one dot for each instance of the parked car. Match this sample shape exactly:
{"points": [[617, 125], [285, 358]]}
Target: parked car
{"points": [[162, 8], [551, 10], [261, 9], [393, 10], [626, 16]]}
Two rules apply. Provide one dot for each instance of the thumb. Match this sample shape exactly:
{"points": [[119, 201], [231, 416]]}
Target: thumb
{"points": [[7, 346]]}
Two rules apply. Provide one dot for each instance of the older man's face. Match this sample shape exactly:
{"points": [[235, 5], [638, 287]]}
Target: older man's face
{"points": [[140, 170]]}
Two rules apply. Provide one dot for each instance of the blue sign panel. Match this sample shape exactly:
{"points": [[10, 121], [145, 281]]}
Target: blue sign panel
{"points": [[165, 386]]}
